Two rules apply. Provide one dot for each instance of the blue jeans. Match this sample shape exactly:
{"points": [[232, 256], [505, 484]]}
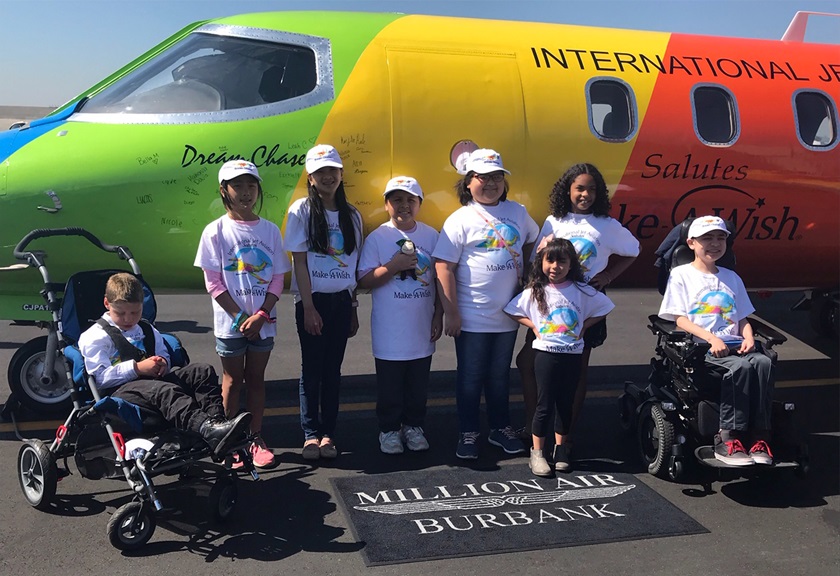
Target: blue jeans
{"points": [[483, 363]]}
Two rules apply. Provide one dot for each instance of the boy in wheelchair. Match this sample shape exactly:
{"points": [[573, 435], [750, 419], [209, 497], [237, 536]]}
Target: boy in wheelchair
{"points": [[711, 303], [127, 358]]}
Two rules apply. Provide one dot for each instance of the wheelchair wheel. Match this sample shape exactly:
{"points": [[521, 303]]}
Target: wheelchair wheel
{"points": [[37, 473], [656, 439], [627, 412], [222, 499], [131, 526], [25, 371]]}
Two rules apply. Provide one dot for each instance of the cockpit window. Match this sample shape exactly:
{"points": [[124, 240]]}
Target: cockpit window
{"points": [[223, 74]]}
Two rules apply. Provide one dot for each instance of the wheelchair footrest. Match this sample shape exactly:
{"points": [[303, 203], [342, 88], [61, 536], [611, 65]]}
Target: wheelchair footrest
{"points": [[706, 456]]}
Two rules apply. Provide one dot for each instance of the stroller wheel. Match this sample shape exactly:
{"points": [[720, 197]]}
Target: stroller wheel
{"points": [[656, 439], [26, 371], [223, 497], [37, 473], [131, 526]]}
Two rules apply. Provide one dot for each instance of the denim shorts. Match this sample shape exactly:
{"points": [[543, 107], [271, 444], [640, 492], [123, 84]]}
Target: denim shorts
{"points": [[233, 347]]}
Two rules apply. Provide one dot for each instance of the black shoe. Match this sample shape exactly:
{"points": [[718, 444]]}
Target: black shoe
{"points": [[222, 434], [561, 458]]}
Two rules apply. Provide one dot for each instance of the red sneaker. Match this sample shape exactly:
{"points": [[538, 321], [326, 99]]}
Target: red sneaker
{"points": [[263, 457]]}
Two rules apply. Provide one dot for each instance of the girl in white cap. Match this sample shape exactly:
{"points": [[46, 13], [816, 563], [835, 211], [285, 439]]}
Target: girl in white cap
{"points": [[244, 264], [406, 320], [324, 235], [480, 260]]}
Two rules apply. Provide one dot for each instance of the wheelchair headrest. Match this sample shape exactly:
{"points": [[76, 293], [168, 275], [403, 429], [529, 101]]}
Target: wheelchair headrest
{"points": [[684, 255], [83, 301]]}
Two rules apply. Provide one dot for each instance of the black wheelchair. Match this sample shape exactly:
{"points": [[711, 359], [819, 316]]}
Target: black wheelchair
{"points": [[677, 414], [96, 434]]}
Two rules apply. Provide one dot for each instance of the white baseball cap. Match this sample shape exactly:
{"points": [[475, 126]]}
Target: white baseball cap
{"points": [[406, 183], [485, 161], [322, 156], [706, 224], [233, 168]]}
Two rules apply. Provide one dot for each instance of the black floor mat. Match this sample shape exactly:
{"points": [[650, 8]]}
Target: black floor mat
{"points": [[424, 515]]}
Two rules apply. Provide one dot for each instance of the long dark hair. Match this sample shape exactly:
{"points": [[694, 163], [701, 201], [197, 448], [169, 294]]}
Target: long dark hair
{"points": [[554, 250], [226, 200], [464, 194], [560, 201], [318, 235]]}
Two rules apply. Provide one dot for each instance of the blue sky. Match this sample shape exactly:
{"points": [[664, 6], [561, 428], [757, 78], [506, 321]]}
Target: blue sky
{"points": [[51, 50]]}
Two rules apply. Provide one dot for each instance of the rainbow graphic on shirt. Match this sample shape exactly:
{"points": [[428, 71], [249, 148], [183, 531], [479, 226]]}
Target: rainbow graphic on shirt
{"points": [[562, 321], [252, 261], [336, 249], [586, 251], [715, 303], [501, 237]]}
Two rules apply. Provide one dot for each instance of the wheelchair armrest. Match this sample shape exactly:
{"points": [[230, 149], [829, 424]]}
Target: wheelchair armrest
{"points": [[771, 337], [666, 327]]}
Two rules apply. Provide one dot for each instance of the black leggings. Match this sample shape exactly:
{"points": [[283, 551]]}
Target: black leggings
{"points": [[557, 379]]}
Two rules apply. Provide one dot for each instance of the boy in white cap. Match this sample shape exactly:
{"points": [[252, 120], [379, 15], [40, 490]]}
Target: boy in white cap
{"points": [[711, 303], [406, 319]]}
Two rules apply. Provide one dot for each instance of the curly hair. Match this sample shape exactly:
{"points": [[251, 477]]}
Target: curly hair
{"points": [[554, 250], [464, 194], [560, 202]]}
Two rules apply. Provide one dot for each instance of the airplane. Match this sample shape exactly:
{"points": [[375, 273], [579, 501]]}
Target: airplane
{"points": [[680, 125]]}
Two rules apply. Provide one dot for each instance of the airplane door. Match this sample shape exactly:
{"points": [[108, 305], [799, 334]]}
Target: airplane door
{"points": [[483, 103]]}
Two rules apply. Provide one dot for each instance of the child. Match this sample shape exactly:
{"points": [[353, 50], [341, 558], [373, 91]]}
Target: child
{"points": [[479, 260], [324, 235], [580, 207], [128, 360], [406, 319], [558, 308], [244, 265], [711, 303]]}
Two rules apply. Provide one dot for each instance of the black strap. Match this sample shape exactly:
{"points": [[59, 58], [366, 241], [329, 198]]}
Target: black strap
{"points": [[125, 349]]}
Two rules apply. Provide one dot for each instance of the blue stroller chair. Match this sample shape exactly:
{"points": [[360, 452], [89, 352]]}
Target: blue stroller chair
{"points": [[100, 433]]}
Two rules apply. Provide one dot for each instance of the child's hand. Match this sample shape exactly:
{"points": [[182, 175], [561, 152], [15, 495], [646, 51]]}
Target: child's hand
{"points": [[251, 327], [452, 324], [402, 262], [718, 349], [312, 322], [747, 346], [437, 327], [153, 367]]}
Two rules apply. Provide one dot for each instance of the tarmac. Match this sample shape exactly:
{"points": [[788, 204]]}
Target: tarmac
{"points": [[290, 521]]}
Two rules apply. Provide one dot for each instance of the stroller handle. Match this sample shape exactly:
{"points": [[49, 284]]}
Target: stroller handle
{"points": [[34, 257]]}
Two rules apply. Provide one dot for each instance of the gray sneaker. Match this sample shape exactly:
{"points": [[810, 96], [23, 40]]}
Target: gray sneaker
{"points": [[561, 458], [467, 446], [390, 442], [538, 464], [415, 440], [506, 439], [731, 452]]}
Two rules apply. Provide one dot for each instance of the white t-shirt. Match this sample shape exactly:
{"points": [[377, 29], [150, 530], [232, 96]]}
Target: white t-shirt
{"points": [[401, 318], [595, 238], [715, 302], [568, 308], [328, 273], [486, 243], [102, 359], [248, 256]]}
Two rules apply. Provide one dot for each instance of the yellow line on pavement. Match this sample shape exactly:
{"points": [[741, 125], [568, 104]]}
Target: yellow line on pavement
{"points": [[447, 401]]}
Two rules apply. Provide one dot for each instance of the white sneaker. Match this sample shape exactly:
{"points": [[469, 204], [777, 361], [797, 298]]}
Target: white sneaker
{"points": [[415, 440], [390, 442]]}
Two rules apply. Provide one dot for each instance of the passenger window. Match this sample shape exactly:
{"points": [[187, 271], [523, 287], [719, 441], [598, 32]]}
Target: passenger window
{"points": [[612, 109], [715, 115], [222, 73], [816, 119]]}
